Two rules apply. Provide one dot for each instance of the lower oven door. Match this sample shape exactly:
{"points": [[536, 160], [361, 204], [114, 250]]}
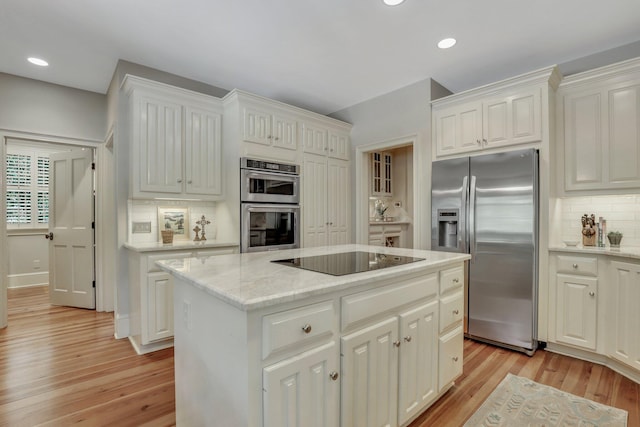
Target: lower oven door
{"points": [[267, 227]]}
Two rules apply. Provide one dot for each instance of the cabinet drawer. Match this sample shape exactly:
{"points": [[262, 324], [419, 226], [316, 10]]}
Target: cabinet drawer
{"points": [[451, 349], [360, 306], [284, 329], [151, 259], [451, 279], [451, 310], [587, 266]]}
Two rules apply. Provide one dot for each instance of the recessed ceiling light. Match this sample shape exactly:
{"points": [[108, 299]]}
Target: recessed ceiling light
{"points": [[38, 61], [392, 2], [446, 43]]}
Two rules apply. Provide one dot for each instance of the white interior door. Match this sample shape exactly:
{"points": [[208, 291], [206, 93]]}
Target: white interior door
{"points": [[71, 236]]}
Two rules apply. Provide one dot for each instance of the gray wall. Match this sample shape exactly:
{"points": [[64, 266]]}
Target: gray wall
{"points": [[28, 105]]}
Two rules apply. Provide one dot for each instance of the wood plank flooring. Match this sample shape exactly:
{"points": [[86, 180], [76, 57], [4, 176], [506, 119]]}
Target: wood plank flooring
{"points": [[61, 366]]}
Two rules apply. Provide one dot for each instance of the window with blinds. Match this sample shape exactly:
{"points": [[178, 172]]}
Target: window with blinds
{"points": [[27, 195]]}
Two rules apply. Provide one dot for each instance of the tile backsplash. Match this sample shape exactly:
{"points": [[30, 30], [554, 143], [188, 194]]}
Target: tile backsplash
{"points": [[622, 213], [147, 211]]}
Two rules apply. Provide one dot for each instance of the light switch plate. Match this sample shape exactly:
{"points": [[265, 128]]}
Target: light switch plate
{"points": [[141, 227]]}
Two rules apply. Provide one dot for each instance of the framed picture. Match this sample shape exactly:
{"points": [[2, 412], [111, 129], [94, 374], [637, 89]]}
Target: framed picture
{"points": [[176, 219]]}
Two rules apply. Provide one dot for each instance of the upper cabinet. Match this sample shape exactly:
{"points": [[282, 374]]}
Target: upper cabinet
{"points": [[381, 178], [318, 138], [599, 129], [502, 114], [269, 128], [176, 141]]}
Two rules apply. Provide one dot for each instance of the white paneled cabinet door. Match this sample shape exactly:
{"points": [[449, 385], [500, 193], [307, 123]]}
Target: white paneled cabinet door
{"points": [[450, 354], [576, 305], [515, 119], [304, 390], [624, 337], [339, 145], [458, 129], [418, 383], [203, 151], [338, 201], [623, 168], [470, 124], [158, 306], [257, 126], [370, 376], [160, 145], [285, 132], [315, 227], [314, 139]]}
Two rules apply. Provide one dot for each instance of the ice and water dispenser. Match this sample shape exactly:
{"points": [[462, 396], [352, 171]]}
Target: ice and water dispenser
{"points": [[448, 228]]}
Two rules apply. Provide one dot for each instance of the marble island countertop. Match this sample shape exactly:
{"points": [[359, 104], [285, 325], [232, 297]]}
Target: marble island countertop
{"points": [[178, 245], [622, 252], [251, 281]]}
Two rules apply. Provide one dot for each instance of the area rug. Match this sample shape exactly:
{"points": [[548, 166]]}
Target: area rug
{"points": [[519, 402]]}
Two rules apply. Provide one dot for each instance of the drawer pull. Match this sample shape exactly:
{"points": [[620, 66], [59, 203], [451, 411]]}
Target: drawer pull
{"points": [[306, 328], [396, 343], [334, 375], [455, 358], [407, 338], [592, 294], [456, 280], [456, 311], [575, 266]]}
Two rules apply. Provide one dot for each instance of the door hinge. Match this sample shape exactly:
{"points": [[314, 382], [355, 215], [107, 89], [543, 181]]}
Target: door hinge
{"points": [[94, 283], [93, 165], [93, 224]]}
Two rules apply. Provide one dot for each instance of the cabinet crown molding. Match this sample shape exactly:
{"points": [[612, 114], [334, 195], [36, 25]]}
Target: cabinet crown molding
{"points": [[607, 74], [549, 75]]}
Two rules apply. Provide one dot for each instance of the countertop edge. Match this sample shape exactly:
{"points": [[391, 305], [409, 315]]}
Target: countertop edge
{"points": [[628, 252], [177, 246]]}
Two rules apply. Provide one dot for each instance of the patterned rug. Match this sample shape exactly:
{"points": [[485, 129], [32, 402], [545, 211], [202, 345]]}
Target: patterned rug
{"points": [[519, 402]]}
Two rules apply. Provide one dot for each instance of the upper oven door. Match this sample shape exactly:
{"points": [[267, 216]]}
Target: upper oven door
{"points": [[266, 187]]}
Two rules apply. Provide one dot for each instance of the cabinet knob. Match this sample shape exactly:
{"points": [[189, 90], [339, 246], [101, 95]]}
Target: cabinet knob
{"points": [[456, 311], [455, 358], [189, 181], [269, 136], [484, 140], [179, 180], [592, 294], [333, 375], [575, 266], [456, 280], [478, 142], [396, 343], [306, 328], [407, 338]]}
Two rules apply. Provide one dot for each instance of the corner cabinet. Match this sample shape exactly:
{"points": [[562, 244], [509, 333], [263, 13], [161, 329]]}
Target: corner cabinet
{"points": [[624, 322], [502, 114], [175, 140], [599, 113]]}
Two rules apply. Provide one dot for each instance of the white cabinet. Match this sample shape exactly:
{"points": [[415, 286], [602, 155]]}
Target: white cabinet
{"points": [[624, 319], [458, 128], [303, 390], [381, 178], [389, 235], [325, 201], [576, 310], [175, 141], [269, 127], [319, 138], [151, 295], [450, 348], [600, 122]]}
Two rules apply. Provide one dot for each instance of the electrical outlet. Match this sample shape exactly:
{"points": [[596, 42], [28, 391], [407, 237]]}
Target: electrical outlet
{"points": [[397, 204], [186, 313], [36, 264], [141, 227]]}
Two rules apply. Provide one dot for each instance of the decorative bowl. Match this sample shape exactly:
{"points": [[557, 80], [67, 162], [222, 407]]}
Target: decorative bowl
{"points": [[571, 243]]}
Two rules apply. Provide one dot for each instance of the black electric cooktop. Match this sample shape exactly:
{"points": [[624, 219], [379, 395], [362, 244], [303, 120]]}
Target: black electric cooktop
{"points": [[339, 264]]}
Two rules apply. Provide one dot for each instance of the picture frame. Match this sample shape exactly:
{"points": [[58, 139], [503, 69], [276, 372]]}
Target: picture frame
{"points": [[174, 218]]}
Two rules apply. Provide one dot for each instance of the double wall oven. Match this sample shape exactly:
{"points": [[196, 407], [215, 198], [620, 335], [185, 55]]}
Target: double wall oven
{"points": [[269, 205]]}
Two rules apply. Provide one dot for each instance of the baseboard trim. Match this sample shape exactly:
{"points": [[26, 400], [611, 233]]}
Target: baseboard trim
{"points": [[121, 325], [148, 348], [26, 280]]}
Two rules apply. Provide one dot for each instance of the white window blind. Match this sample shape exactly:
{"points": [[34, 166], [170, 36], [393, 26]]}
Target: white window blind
{"points": [[27, 177]]}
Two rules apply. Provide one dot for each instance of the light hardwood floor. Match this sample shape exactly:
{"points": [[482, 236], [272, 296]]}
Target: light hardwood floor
{"points": [[61, 366]]}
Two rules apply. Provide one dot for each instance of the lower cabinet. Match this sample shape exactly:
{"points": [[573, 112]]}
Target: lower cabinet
{"points": [[390, 368], [450, 357], [576, 310], [303, 390], [159, 308], [624, 319]]}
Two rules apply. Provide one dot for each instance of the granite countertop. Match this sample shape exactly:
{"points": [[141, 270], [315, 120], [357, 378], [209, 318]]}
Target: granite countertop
{"points": [[622, 252], [178, 245], [250, 281], [398, 221]]}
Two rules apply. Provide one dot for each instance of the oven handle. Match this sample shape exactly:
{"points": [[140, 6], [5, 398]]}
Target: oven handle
{"points": [[272, 208], [279, 176]]}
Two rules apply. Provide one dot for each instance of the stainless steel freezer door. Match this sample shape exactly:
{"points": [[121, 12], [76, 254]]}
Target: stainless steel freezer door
{"points": [[449, 192], [503, 241]]}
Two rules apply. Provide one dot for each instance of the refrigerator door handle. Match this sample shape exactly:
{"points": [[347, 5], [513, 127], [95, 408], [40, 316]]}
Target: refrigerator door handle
{"points": [[472, 218], [463, 243]]}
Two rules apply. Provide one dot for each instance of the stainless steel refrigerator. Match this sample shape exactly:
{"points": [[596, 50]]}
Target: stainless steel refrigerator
{"points": [[487, 206]]}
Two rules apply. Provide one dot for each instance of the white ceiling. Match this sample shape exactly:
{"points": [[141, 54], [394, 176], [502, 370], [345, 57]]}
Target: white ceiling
{"points": [[318, 54]]}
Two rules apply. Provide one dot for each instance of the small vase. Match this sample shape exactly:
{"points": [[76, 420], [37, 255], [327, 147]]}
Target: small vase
{"points": [[167, 236], [614, 240]]}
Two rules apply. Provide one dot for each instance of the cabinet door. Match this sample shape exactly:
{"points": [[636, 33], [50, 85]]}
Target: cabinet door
{"points": [[370, 376], [314, 196], [158, 140], [418, 375], [257, 126], [576, 304], [623, 148], [203, 152], [338, 201], [451, 352], [339, 147], [301, 391], [285, 132], [514, 119], [624, 318], [157, 308], [314, 139], [458, 129]]}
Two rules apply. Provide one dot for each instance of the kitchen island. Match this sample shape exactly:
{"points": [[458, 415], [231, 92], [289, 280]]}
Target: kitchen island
{"points": [[259, 343]]}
